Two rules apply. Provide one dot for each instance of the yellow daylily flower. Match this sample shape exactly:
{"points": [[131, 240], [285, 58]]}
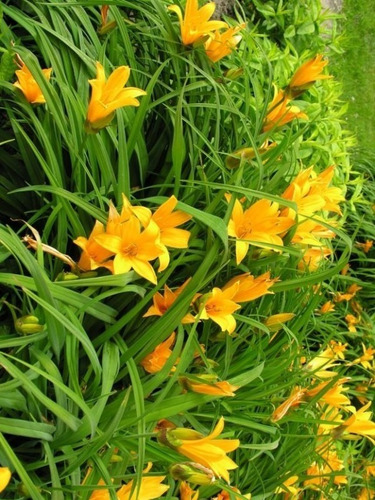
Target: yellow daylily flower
{"points": [[289, 488], [313, 257], [196, 24], [161, 303], [251, 288], [366, 494], [258, 224], [205, 450], [156, 360], [306, 75], [280, 112], [133, 248], [333, 396], [109, 95], [220, 306], [275, 322], [208, 384], [327, 307], [28, 85], [367, 356], [219, 45], [359, 423], [5, 476], [93, 254]]}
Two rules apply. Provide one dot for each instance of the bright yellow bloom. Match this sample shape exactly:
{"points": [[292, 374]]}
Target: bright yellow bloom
{"points": [[134, 248], [316, 471], [289, 488], [309, 232], [156, 360], [359, 423], [349, 294], [207, 451], [367, 356], [366, 247], [170, 235], [220, 306], [195, 23], [93, 255], [312, 258], [297, 395], [352, 321], [327, 307], [250, 288], [27, 84], [366, 494], [321, 363], [275, 322], [338, 349], [260, 223], [370, 470], [5, 476], [207, 384], [161, 303], [220, 45], [307, 75], [280, 112], [150, 488], [332, 195], [333, 396], [109, 95], [187, 493]]}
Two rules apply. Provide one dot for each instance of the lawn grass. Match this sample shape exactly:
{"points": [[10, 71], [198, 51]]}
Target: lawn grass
{"points": [[356, 69]]}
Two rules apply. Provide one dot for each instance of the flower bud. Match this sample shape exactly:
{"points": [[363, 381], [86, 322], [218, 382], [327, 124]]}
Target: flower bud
{"points": [[192, 472], [28, 324], [173, 437]]}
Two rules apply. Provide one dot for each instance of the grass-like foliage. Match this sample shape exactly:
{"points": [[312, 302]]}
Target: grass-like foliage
{"points": [[173, 251]]}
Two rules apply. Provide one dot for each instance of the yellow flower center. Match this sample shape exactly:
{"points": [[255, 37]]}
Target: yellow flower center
{"points": [[244, 230], [131, 250]]}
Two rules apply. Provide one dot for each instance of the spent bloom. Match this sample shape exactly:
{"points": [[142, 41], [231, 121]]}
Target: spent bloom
{"points": [[28, 85], [109, 95], [156, 360], [297, 395], [196, 24], [5, 476], [205, 450], [307, 75], [220, 44], [259, 224], [280, 112]]}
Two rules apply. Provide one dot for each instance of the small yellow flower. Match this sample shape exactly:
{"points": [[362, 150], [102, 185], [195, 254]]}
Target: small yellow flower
{"points": [[156, 360], [327, 307], [220, 44], [251, 288], [109, 95], [307, 75], [289, 488], [207, 451], [338, 348], [321, 364], [366, 247], [161, 303], [187, 493], [359, 424], [260, 223], [5, 476], [367, 356], [352, 321], [93, 254], [27, 84], [349, 294], [207, 384], [220, 306], [280, 112], [366, 494], [333, 396], [134, 248], [195, 23]]}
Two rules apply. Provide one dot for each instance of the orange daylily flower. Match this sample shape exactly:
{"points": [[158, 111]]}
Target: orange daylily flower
{"points": [[187, 493], [207, 384], [327, 307], [309, 232], [307, 75], [195, 23], [93, 255], [220, 44], [260, 223], [338, 349], [352, 321], [332, 195], [28, 85], [366, 247], [224, 495], [156, 360], [133, 248], [251, 288], [149, 489], [109, 95], [161, 303], [205, 450], [220, 306], [349, 294], [5, 476], [359, 424], [296, 397], [280, 112], [104, 14]]}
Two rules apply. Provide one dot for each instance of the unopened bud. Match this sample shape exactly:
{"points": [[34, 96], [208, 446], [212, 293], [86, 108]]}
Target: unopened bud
{"points": [[192, 472], [28, 324], [173, 438], [233, 73]]}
